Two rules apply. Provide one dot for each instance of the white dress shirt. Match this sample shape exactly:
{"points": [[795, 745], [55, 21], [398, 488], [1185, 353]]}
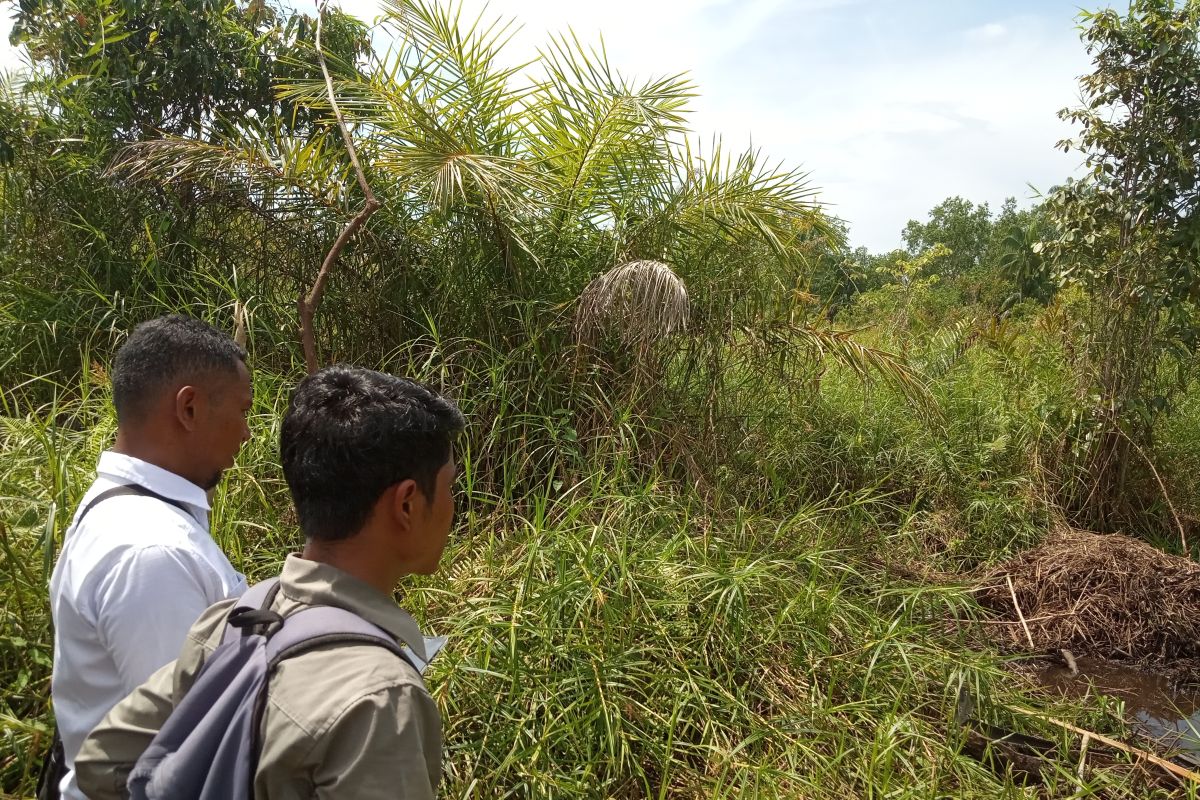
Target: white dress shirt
{"points": [[129, 583]]}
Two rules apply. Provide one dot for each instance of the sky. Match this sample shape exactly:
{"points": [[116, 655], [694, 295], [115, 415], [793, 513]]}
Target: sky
{"points": [[890, 106]]}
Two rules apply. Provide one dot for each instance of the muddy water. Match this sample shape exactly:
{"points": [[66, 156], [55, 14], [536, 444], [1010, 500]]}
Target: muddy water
{"points": [[1149, 701]]}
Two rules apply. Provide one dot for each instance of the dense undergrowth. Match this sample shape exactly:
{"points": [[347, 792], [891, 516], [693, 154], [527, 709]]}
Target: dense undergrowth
{"points": [[620, 629]]}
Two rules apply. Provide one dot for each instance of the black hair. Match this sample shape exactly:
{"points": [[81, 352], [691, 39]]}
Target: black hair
{"points": [[165, 350], [349, 434]]}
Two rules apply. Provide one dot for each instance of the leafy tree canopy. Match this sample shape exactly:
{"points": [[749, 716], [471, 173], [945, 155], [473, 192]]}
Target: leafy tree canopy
{"points": [[140, 67]]}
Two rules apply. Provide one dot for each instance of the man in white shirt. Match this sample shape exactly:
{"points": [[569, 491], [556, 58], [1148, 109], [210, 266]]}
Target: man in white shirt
{"points": [[138, 565]]}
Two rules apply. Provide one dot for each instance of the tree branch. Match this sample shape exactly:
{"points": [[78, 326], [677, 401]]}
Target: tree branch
{"points": [[309, 303], [1183, 541]]}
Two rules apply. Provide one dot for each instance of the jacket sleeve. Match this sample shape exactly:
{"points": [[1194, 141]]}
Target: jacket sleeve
{"points": [[110, 751], [386, 745]]}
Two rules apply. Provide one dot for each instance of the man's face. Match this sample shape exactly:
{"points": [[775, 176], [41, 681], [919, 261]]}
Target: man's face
{"points": [[223, 428], [435, 519]]}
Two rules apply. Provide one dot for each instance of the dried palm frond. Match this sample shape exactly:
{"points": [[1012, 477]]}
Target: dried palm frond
{"points": [[642, 302], [947, 348], [252, 158]]}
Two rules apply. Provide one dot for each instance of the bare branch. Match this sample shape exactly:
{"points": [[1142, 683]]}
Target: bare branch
{"points": [[309, 303], [337, 111]]}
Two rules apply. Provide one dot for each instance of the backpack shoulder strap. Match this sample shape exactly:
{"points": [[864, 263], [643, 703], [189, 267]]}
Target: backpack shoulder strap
{"points": [[307, 629], [320, 626], [252, 612], [126, 489], [261, 595]]}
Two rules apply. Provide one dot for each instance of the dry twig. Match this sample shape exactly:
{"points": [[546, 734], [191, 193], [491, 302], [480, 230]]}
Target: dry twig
{"points": [[309, 303], [1024, 625], [1136, 752], [239, 322], [1183, 542]]}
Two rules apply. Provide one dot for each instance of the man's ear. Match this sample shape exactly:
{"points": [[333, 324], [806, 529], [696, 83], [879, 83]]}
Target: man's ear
{"points": [[187, 401], [404, 499]]}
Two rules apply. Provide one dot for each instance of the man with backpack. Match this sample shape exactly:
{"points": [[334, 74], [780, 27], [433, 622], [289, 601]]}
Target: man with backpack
{"points": [[138, 565], [310, 685]]}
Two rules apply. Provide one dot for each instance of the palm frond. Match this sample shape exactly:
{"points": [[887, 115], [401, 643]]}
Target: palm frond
{"points": [[642, 302], [596, 133], [248, 158], [864, 361], [947, 348], [701, 199], [455, 66]]}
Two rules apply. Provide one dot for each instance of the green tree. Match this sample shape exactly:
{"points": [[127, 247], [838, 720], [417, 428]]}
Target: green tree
{"points": [[1129, 234], [958, 224], [136, 68], [1014, 254], [835, 272], [520, 196], [1022, 263], [105, 73]]}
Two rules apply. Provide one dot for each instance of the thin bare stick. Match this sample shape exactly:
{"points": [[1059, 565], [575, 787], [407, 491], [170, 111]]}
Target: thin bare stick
{"points": [[1020, 616], [239, 322], [337, 111], [309, 303], [1183, 542], [1137, 752]]}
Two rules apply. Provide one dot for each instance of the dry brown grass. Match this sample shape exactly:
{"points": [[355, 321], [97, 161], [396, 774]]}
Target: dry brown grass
{"points": [[1103, 595]]}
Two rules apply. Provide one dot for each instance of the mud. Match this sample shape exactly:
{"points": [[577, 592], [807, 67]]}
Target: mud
{"points": [[1151, 701]]}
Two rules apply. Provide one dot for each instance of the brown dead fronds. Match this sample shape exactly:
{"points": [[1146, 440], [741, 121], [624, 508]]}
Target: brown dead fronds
{"points": [[1104, 595], [640, 302]]}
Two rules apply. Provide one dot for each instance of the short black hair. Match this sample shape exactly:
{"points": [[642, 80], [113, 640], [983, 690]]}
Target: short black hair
{"points": [[349, 434], [164, 350]]}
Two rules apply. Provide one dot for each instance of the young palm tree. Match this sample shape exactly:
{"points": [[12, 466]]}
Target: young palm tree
{"points": [[525, 184]]}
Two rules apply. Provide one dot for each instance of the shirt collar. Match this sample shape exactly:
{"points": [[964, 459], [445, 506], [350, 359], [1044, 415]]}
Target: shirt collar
{"points": [[134, 470], [317, 584]]}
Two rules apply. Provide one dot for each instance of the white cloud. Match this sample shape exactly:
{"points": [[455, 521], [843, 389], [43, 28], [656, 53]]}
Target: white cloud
{"points": [[992, 30], [1003, 95]]}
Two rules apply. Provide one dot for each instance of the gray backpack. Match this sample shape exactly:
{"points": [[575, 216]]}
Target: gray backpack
{"points": [[208, 747]]}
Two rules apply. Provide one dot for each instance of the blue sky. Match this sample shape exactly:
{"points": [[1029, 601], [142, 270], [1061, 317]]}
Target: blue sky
{"points": [[891, 106]]}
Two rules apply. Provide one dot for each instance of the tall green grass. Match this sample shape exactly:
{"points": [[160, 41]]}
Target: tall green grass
{"points": [[617, 631]]}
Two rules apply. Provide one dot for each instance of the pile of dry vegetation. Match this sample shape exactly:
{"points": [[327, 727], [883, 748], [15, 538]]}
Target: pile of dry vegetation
{"points": [[1102, 595]]}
